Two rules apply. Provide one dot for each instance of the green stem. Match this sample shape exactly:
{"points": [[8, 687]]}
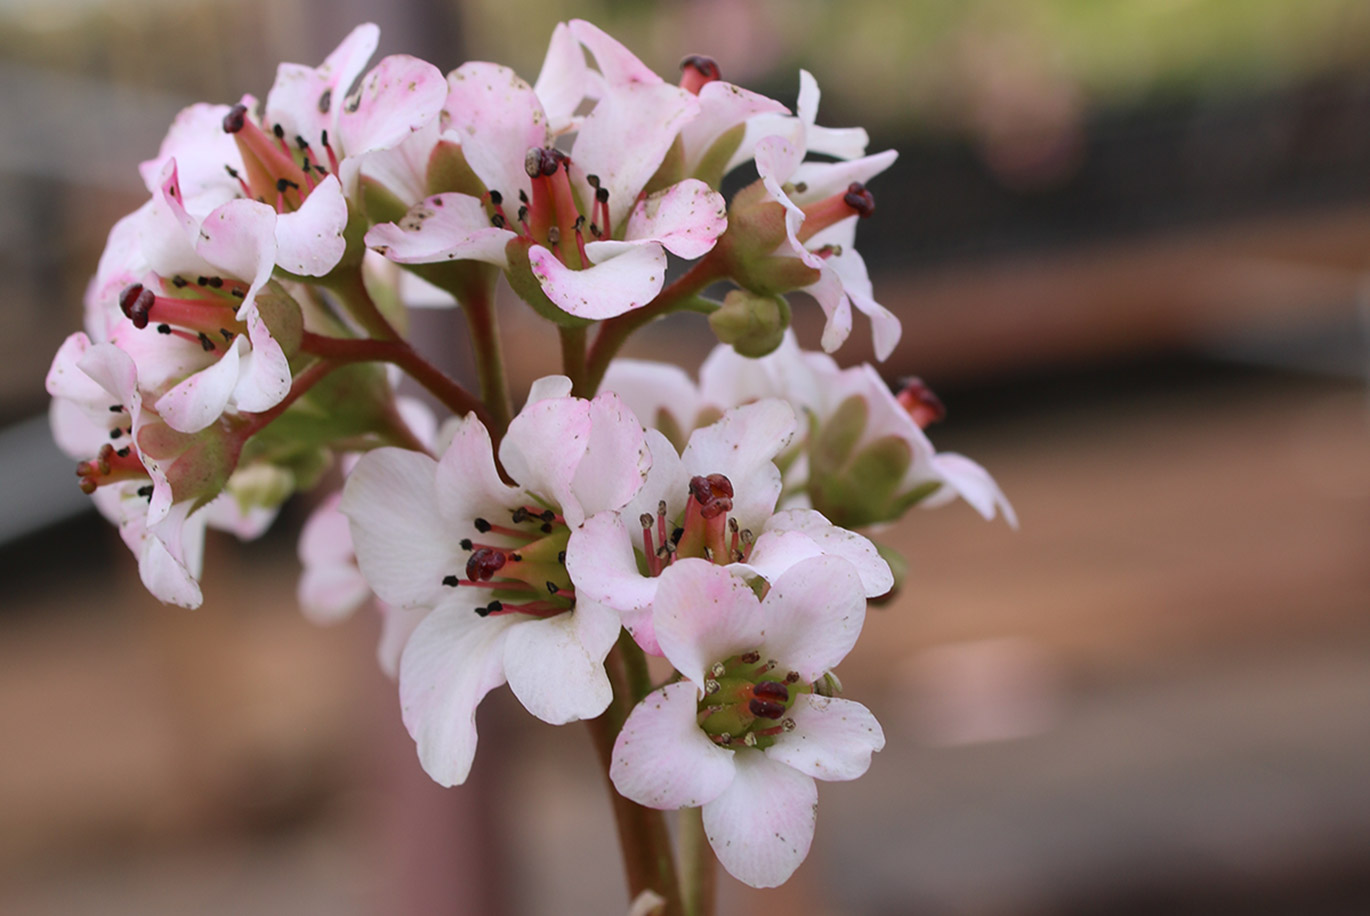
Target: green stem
{"points": [[698, 867], [616, 331], [351, 291], [573, 360], [478, 302], [351, 350]]}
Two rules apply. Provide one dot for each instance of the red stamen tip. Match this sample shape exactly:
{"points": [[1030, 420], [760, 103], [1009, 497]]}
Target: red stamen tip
{"points": [[860, 199], [234, 120]]}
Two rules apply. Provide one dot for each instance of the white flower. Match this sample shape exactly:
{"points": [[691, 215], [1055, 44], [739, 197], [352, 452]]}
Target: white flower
{"points": [[485, 561], [744, 736]]}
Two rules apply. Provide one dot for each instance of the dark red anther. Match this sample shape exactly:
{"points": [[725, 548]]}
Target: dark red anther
{"points": [[136, 302], [706, 66], [860, 199], [766, 709], [234, 120], [772, 690], [483, 564], [922, 405]]}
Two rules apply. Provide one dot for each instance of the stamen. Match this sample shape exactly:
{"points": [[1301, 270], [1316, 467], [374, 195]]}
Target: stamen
{"points": [[697, 71], [921, 404]]}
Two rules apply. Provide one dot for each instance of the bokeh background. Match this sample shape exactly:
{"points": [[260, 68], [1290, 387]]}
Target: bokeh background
{"points": [[1130, 244]]}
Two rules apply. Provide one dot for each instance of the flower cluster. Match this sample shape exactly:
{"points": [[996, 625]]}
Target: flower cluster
{"points": [[233, 342]]}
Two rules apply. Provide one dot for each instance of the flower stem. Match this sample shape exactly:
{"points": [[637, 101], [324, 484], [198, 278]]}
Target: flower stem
{"points": [[478, 302], [698, 867], [616, 331], [573, 360], [341, 350], [351, 291], [645, 842]]}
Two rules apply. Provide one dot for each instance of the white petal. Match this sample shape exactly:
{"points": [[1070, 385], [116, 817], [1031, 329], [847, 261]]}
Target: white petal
{"points": [[615, 463], [397, 625], [722, 106], [622, 276], [445, 227], [200, 400], [309, 242], [264, 376], [975, 486], [829, 540], [651, 388], [813, 615], [556, 666], [687, 218], [833, 738], [468, 484], [742, 446], [702, 615], [667, 481], [403, 546], [497, 117], [564, 79], [663, 759], [544, 445], [450, 663], [603, 564], [761, 827]]}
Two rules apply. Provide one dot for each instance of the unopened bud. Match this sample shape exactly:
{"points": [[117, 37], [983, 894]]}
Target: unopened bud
{"points": [[754, 324]]}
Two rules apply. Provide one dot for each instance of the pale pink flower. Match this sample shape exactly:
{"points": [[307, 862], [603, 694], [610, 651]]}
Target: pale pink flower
{"points": [[744, 736], [716, 500], [485, 561]]}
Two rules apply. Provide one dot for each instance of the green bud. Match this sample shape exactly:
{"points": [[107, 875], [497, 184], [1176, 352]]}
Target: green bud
{"points": [[756, 230], [754, 324], [260, 485]]}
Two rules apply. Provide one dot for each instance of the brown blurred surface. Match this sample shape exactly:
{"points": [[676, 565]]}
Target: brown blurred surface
{"points": [[1177, 638]]}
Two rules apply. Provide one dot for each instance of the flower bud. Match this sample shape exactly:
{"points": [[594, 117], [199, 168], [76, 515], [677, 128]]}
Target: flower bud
{"points": [[754, 324]]}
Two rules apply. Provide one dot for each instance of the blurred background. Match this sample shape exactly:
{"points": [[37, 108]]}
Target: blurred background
{"points": [[1130, 244]]}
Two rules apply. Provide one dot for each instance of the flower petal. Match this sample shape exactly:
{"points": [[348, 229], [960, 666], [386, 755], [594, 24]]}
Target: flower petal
{"points": [[564, 80], [497, 117], [544, 446], [453, 659], [555, 666], [742, 446], [297, 99], [974, 484], [603, 564], [702, 615], [615, 463], [622, 276], [826, 539], [813, 615], [687, 218], [400, 95], [199, 400], [264, 376], [833, 738], [445, 227], [310, 242], [403, 546], [761, 827], [663, 759]]}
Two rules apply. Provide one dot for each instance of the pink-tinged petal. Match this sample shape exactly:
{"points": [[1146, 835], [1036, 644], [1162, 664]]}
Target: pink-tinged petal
{"points": [[264, 378], [169, 555], [833, 738], [624, 276], [687, 218], [403, 546], [603, 565], [973, 484], [625, 139], [615, 463], [166, 577], [727, 379], [555, 666], [830, 540], [544, 445], [331, 586], [742, 446], [310, 242], [839, 142], [703, 615], [305, 100], [452, 660], [762, 825], [667, 481], [663, 759], [650, 388], [564, 80], [446, 227], [67, 381], [397, 625], [619, 65], [167, 232], [547, 388], [403, 169], [813, 615], [496, 117], [831, 297], [239, 239], [722, 106], [400, 95], [467, 482], [202, 398], [198, 143], [639, 626]]}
